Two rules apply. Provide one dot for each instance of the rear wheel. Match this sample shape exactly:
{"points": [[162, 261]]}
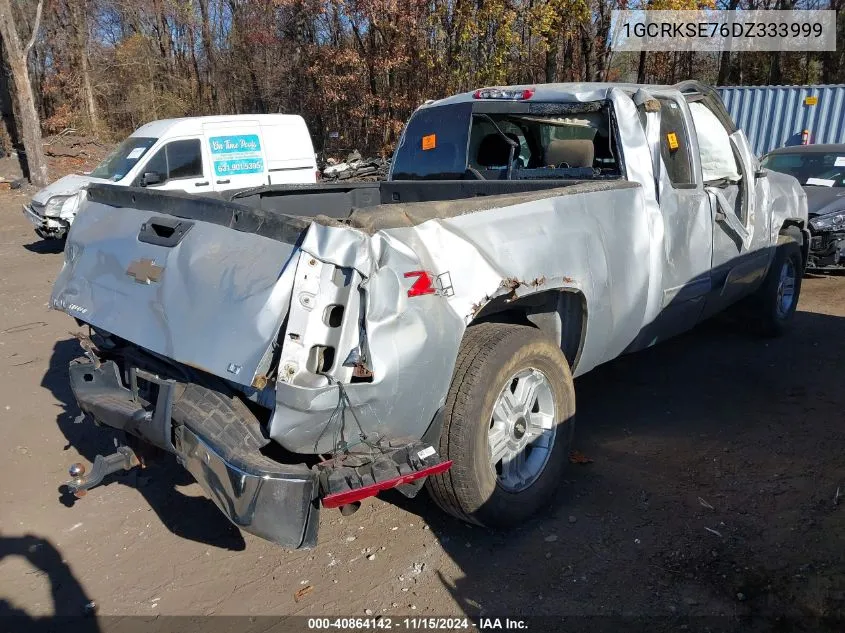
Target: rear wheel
{"points": [[507, 427]]}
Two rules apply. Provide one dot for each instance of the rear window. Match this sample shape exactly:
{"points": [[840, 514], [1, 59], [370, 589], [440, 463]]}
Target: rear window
{"points": [[487, 141], [434, 145]]}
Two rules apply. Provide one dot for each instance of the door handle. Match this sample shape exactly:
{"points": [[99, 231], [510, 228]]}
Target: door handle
{"points": [[204, 183], [163, 231], [223, 182]]}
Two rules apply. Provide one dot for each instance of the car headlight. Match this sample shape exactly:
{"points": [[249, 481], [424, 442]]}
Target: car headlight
{"points": [[61, 205], [829, 222]]}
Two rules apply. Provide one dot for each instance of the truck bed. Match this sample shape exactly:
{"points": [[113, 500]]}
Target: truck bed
{"points": [[283, 211]]}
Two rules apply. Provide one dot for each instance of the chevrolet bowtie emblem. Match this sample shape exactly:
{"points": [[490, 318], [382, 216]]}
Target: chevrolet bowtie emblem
{"points": [[144, 271]]}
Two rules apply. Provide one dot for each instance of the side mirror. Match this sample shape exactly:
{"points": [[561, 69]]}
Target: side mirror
{"points": [[151, 178]]}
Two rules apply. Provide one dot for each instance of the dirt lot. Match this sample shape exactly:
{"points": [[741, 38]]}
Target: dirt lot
{"points": [[717, 459]]}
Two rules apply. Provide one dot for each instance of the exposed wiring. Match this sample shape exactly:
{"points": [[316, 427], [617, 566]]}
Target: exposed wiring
{"points": [[338, 418]]}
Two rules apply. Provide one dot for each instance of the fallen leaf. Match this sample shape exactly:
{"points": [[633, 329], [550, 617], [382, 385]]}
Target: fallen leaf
{"points": [[301, 593], [577, 457]]}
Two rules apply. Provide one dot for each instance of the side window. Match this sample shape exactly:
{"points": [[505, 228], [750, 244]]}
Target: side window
{"points": [[718, 161], [674, 143], [158, 163], [184, 159]]}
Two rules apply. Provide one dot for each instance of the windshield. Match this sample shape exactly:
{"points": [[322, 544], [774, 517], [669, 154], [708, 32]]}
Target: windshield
{"points": [[820, 169], [543, 140], [123, 158]]}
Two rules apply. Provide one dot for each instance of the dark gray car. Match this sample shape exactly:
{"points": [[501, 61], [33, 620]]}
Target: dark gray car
{"points": [[821, 171]]}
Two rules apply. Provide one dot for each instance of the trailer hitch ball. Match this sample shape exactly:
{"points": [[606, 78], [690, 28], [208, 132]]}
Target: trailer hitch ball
{"points": [[76, 470]]}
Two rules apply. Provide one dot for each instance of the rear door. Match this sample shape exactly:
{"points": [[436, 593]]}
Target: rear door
{"points": [[684, 204], [289, 152], [237, 154]]}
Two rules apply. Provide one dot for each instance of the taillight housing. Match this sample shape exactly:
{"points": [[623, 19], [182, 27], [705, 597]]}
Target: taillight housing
{"points": [[347, 497], [504, 94]]}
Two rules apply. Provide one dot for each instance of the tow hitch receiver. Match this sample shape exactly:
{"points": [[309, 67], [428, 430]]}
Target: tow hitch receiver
{"points": [[348, 478], [123, 458]]}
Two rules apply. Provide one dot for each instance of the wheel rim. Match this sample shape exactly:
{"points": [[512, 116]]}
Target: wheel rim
{"points": [[522, 430], [786, 289]]}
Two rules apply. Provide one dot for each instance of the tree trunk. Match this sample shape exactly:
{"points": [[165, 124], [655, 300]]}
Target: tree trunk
{"points": [[28, 123], [552, 43], [207, 44], [725, 57], [641, 69], [80, 25]]}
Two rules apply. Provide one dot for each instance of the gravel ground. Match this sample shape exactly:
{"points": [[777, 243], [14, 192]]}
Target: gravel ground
{"points": [[716, 462]]}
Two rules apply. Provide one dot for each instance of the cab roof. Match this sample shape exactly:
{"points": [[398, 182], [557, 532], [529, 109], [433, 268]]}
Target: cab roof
{"points": [[574, 92], [194, 125]]}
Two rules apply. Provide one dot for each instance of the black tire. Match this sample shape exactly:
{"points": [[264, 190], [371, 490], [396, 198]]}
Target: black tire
{"points": [[490, 354], [767, 317], [223, 421]]}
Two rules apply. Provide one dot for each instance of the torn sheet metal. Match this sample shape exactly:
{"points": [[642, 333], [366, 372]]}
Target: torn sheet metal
{"points": [[412, 343]]}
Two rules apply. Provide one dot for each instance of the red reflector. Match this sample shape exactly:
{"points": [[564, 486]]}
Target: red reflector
{"points": [[351, 496], [507, 94], [424, 285]]}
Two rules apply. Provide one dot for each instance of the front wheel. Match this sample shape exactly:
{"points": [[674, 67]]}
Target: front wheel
{"points": [[508, 422], [773, 304]]}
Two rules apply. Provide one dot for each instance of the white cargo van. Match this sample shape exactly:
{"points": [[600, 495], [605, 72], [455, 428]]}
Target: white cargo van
{"points": [[197, 155]]}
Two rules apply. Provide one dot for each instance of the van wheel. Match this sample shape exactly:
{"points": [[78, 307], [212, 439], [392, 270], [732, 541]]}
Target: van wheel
{"points": [[508, 422], [773, 304]]}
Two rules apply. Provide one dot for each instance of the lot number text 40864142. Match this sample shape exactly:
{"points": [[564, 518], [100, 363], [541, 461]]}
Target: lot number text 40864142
{"points": [[417, 624]]}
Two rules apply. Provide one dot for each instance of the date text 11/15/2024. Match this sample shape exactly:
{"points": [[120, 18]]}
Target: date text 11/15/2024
{"points": [[421, 623]]}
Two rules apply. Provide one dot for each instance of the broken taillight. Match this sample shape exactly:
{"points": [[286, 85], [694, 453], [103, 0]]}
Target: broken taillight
{"points": [[347, 497]]}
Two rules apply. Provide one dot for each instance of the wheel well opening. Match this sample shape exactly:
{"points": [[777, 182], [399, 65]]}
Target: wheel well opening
{"points": [[796, 228], [559, 313]]}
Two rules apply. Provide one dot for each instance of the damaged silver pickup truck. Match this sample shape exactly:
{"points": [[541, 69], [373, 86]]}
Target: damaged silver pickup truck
{"points": [[299, 347]]}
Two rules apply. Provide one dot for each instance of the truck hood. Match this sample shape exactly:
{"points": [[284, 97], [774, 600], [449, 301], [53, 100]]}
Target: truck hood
{"points": [[66, 186], [824, 200]]}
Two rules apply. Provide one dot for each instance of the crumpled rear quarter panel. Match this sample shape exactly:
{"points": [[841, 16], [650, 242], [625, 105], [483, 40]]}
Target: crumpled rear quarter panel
{"points": [[594, 241]]}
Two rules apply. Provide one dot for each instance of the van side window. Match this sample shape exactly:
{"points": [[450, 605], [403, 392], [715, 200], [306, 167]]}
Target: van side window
{"points": [[158, 163], [184, 159], [674, 143], [177, 159]]}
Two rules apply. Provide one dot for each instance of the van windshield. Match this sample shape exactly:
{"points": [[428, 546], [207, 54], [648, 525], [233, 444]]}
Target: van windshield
{"points": [[117, 164]]}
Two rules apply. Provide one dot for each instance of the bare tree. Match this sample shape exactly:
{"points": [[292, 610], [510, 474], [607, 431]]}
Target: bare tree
{"points": [[28, 122], [79, 11]]}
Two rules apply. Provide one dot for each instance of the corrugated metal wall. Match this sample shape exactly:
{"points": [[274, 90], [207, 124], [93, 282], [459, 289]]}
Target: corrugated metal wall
{"points": [[774, 116]]}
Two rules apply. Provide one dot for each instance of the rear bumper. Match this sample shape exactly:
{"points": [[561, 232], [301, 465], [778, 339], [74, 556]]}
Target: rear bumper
{"points": [[274, 501]]}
